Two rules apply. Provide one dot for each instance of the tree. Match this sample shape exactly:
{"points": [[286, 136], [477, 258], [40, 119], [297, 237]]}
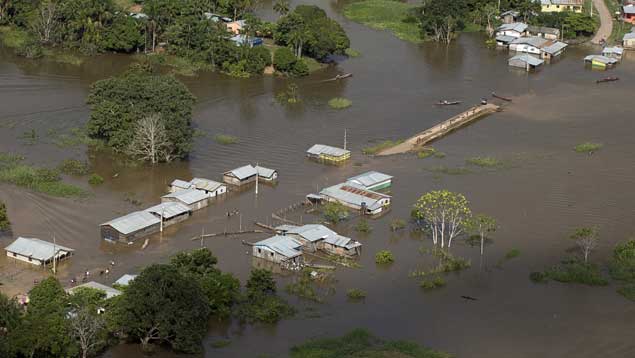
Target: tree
{"points": [[260, 302], [441, 18], [45, 21], [444, 213], [161, 305], [281, 7], [491, 13], [125, 34], [283, 60], [118, 103], [481, 225], [587, 239], [10, 316], [4, 218], [150, 141], [334, 212], [88, 327]]}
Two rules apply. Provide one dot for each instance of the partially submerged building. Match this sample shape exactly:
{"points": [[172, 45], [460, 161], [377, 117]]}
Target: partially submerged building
{"points": [[192, 198], [285, 250], [628, 41], [37, 252], [267, 174], [319, 237], [130, 227], [351, 195], [600, 62], [548, 33], [328, 153], [247, 174], [125, 279], [372, 180], [546, 49], [526, 62], [109, 291], [170, 212], [515, 29], [210, 187], [615, 52]]}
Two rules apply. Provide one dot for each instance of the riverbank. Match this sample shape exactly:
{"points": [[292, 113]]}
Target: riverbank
{"points": [[385, 15]]}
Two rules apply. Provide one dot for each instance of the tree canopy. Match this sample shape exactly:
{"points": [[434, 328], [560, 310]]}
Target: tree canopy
{"points": [[4, 218], [443, 213]]}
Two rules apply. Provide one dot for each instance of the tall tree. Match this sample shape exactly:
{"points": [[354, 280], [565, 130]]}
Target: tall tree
{"points": [[440, 19], [444, 213], [88, 327], [281, 7], [587, 239], [150, 140], [482, 225], [10, 316], [45, 21]]}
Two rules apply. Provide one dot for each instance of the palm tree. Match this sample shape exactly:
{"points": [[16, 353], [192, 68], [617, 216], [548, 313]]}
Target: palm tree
{"points": [[282, 7]]}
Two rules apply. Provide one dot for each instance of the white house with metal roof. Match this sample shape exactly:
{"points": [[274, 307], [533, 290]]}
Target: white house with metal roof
{"points": [[372, 180], [37, 252], [125, 279], [266, 174], [515, 29], [210, 187], [531, 45], [525, 61], [628, 41], [130, 227], [328, 153], [194, 199], [247, 174], [178, 185], [319, 237], [615, 52], [170, 212], [357, 197], [280, 249], [109, 291]]}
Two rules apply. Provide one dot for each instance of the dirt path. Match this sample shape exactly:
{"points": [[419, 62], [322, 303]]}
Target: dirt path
{"points": [[606, 22]]}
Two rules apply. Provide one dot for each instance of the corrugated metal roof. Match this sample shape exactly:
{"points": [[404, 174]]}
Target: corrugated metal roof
{"points": [[284, 245], [543, 30], [629, 36], [205, 184], [181, 184], [527, 59], [534, 41], [265, 172], [243, 172], [369, 179], [628, 9], [125, 279], [613, 50], [514, 26], [132, 222], [342, 241], [168, 209], [36, 248], [312, 232], [362, 195], [505, 38], [318, 149], [555, 47], [110, 292], [188, 197], [510, 12], [601, 59]]}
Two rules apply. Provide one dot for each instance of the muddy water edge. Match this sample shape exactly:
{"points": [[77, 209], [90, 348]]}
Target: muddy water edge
{"points": [[545, 192]]}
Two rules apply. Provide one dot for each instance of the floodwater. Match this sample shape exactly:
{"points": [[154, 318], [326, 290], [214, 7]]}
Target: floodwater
{"points": [[545, 192]]}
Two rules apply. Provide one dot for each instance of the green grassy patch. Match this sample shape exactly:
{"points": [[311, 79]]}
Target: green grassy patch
{"points": [[355, 294], [363, 227], [384, 257], [179, 65], [397, 224], [313, 64], [442, 169], [64, 56], [428, 152], [485, 162], [312, 287], [76, 137], [340, 103], [374, 149], [587, 147], [361, 344], [385, 15], [225, 139], [41, 180], [73, 167], [431, 283], [95, 179], [352, 52], [572, 271], [13, 37]]}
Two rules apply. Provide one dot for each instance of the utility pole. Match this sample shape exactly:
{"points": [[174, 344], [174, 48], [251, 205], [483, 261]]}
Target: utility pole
{"points": [[162, 216], [240, 222], [257, 175], [202, 235], [54, 252], [344, 138]]}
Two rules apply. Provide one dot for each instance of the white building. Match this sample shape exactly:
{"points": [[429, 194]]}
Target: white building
{"points": [[372, 180], [515, 29], [36, 251], [192, 198], [109, 291]]}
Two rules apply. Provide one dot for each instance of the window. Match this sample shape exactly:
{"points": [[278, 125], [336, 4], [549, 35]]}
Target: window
{"points": [[272, 254], [259, 251], [15, 255]]}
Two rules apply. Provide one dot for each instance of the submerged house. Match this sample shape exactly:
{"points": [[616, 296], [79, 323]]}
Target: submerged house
{"points": [[628, 41], [546, 49], [125, 279], [341, 245], [130, 227], [267, 174], [553, 50], [372, 180], [356, 197], [37, 252], [525, 61], [192, 198], [170, 212], [600, 62], [210, 187], [285, 250], [319, 237], [548, 33], [615, 52], [178, 185], [515, 29], [328, 154], [109, 291], [247, 174]]}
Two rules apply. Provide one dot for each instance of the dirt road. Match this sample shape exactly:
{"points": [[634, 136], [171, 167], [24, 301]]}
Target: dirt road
{"points": [[606, 22]]}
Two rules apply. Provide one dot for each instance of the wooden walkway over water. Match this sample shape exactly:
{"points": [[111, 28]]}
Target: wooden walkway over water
{"points": [[441, 129]]}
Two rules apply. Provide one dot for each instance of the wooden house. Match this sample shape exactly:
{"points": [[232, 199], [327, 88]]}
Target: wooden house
{"points": [[372, 180], [615, 52], [329, 154], [279, 249], [37, 252], [192, 198], [178, 185], [170, 212], [628, 41], [526, 62], [266, 174], [130, 227], [509, 16], [515, 30], [600, 62], [210, 187], [247, 174], [548, 33]]}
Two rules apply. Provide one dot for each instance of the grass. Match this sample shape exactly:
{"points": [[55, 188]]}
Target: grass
{"points": [[313, 64], [95, 179], [442, 169], [225, 139], [431, 283], [430, 152], [363, 227], [374, 149], [41, 180], [179, 65], [64, 56], [511, 254], [397, 224], [340, 103], [385, 15], [447, 263], [384, 257], [587, 147], [352, 52], [13, 37], [76, 137], [571, 271], [485, 162], [361, 344], [73, 167], [355, 294]]}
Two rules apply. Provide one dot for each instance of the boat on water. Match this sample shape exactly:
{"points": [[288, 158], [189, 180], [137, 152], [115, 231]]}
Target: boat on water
{"points": [[501, 97], [447, 103], [607, 79]]}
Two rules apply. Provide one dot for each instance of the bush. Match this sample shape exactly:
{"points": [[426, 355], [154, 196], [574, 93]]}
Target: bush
{"points": [[397, 224], [30, 49], [628, 291], [4, 218], [95, 179], [283, 60], [363, 226], [587, 147], [73, 167], [484, 162], [340, 103], [513, 253], [225, 139], [434, 282], [622, 265], [300, 68], [384, 257], [351, 52], [263, 54], [538, 277], [572, 271], [43, 180], [334, 212], [355, 294]]}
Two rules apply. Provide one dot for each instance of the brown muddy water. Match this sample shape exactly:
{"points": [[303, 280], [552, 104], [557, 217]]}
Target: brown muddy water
{"points": [[546, 191]]}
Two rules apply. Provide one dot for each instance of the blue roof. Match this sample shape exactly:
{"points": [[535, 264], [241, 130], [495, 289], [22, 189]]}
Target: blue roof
{"points": [[242, 39]]}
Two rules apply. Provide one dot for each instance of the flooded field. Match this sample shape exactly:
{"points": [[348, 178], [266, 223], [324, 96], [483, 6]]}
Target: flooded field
{"points": [[545, 192]]}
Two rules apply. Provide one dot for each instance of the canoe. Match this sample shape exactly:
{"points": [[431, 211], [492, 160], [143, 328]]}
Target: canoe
{"points": [[501, 97], [448, 103], [607, 79]]}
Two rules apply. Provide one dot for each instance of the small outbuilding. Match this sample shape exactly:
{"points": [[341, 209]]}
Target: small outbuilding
{"points": [[552, 50], [504, 40], [109, 291], [37, 252], [130, 227], [285, 250], [628, 41], [125, 280], [267, 174], [210, 187], [319, 237], [515, 29], [548, 33], [615, 52], [170, 212], [341, 246], [178, 185], [240, 176], [525, 61], [372, 180], [192, 198], [600, 62], [509, 16], [328, 153], [368, 202]]}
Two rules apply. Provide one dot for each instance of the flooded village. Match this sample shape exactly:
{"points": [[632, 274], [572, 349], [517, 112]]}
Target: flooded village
{"points": [[499, 122]]}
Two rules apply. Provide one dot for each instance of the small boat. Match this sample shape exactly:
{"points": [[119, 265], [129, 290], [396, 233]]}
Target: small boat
{"points": [[447, 103], [341, 77], [501, 97], [607, 79]]}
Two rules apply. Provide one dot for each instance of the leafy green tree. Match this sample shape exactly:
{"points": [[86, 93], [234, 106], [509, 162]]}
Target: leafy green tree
{"points": [[281, 7], [118, 103], [308, 30], [334, 212], [10, 316], [440, 19], [587, 239], [88, 327], [83, 22], [161, 305], [444, 213], [45, 331], [260, 302], [125, 34], [5, 224], [481, 225], [283, 60], [622, 265]]}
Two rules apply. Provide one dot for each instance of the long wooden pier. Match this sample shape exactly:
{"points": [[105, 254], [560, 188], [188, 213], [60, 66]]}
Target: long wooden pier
{"points": [[441, 129]]}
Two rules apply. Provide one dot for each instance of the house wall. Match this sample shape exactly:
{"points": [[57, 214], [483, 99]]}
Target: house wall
{"points": [[524, 48], [272, 178], [511, 33], [561, 8], [109, 233], [175, 220], [230, 179], [195, 206], [628, 44], [265, 253], [24, 258]]}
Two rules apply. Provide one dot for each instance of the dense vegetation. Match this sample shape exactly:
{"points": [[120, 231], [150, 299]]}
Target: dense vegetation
{"points": [[5, 224], [167, 304], [361, 344], [119, 103]]}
